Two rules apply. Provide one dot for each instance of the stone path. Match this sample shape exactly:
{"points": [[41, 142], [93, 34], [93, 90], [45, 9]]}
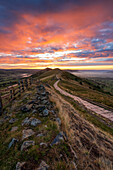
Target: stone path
{"points": [[101, 111]]}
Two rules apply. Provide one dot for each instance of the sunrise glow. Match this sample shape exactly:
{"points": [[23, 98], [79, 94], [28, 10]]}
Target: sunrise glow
{"points": [[56, 34]]}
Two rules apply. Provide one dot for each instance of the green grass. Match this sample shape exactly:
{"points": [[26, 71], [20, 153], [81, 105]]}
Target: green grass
{"points": [[91, 118], [49, 73], [34, 154], [87, 93]]}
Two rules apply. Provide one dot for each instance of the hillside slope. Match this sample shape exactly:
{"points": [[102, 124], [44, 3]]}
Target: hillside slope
{"points": [[44, 129]]}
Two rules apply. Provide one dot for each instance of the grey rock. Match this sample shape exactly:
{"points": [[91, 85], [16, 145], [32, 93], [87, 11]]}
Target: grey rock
{"points": [[43, 166], [45, 112], [48, 85], [26, 108], [58, 139], [43, 98], [38, 97], [43, 94], [27, 133], [13, 120], [40, 135], [53, 112], [34, 111], [41, 108], [13, 141], [31, 121], [43, 144], [14, 128], [26, 144], [10, 114], [6, 117], [19, 165], [47, 93], [45, 102], [41, 87], [31, 102], [49, 106], [58, 120], [35, 122], [25, 121]]}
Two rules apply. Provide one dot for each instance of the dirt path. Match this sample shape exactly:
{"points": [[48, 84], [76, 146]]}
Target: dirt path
{"points": [[46, 77], [101, 111], [88, 142]]}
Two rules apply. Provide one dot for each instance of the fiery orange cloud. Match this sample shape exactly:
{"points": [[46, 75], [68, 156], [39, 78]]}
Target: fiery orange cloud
{"points": [[58, 37]]}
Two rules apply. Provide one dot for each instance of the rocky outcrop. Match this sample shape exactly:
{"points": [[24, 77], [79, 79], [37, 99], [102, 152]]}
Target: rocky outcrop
{"points": [[26, 144], [27, 133], [31, 121]]}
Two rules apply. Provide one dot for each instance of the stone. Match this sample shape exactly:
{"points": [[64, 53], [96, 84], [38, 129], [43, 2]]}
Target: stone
{"points": [[48, 85], [26, 108], [27, 133], [43, 94], [53, 112], [43, 144], [40, 135], [35, 122], [13, 141], [43, 98], [13, 120], [49, 106], [47, 93], [43, 166], [31, 121], [6, 117], [25, 121], [41, 108], [31, 102], [14, 128], [44, 102], [26, 144], [34, 111], [58, 120], [45, 112], [10, 114], [19, 165], [58, 139]]}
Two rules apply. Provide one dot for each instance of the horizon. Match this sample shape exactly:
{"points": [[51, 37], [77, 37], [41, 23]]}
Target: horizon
{"points": [[57, 34], [55, 68]]}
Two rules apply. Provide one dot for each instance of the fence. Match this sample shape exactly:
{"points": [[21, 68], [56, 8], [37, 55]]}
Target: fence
{"points": [[10, 93]]}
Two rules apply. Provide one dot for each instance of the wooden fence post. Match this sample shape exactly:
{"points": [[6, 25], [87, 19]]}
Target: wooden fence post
{"points": [[1, 106], [19, 86], [26, 83], [30, 81], [11, 94], [22, 85]]}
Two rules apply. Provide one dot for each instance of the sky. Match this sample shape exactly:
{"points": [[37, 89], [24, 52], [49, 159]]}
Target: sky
{"points": [[66, 34]]}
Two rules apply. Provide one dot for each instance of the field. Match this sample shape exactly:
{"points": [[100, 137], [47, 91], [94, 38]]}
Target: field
{"points": [[104, 79], [10, 77]]}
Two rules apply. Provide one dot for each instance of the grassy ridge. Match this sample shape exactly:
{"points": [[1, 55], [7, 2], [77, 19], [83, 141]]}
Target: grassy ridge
{"points": [[85, 89]]}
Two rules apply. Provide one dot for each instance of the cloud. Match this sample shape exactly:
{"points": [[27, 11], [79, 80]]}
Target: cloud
{"points": [[56, 31]]}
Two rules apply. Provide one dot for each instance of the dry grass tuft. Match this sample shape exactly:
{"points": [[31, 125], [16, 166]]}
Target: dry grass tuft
{"points": [[92, 146]]}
